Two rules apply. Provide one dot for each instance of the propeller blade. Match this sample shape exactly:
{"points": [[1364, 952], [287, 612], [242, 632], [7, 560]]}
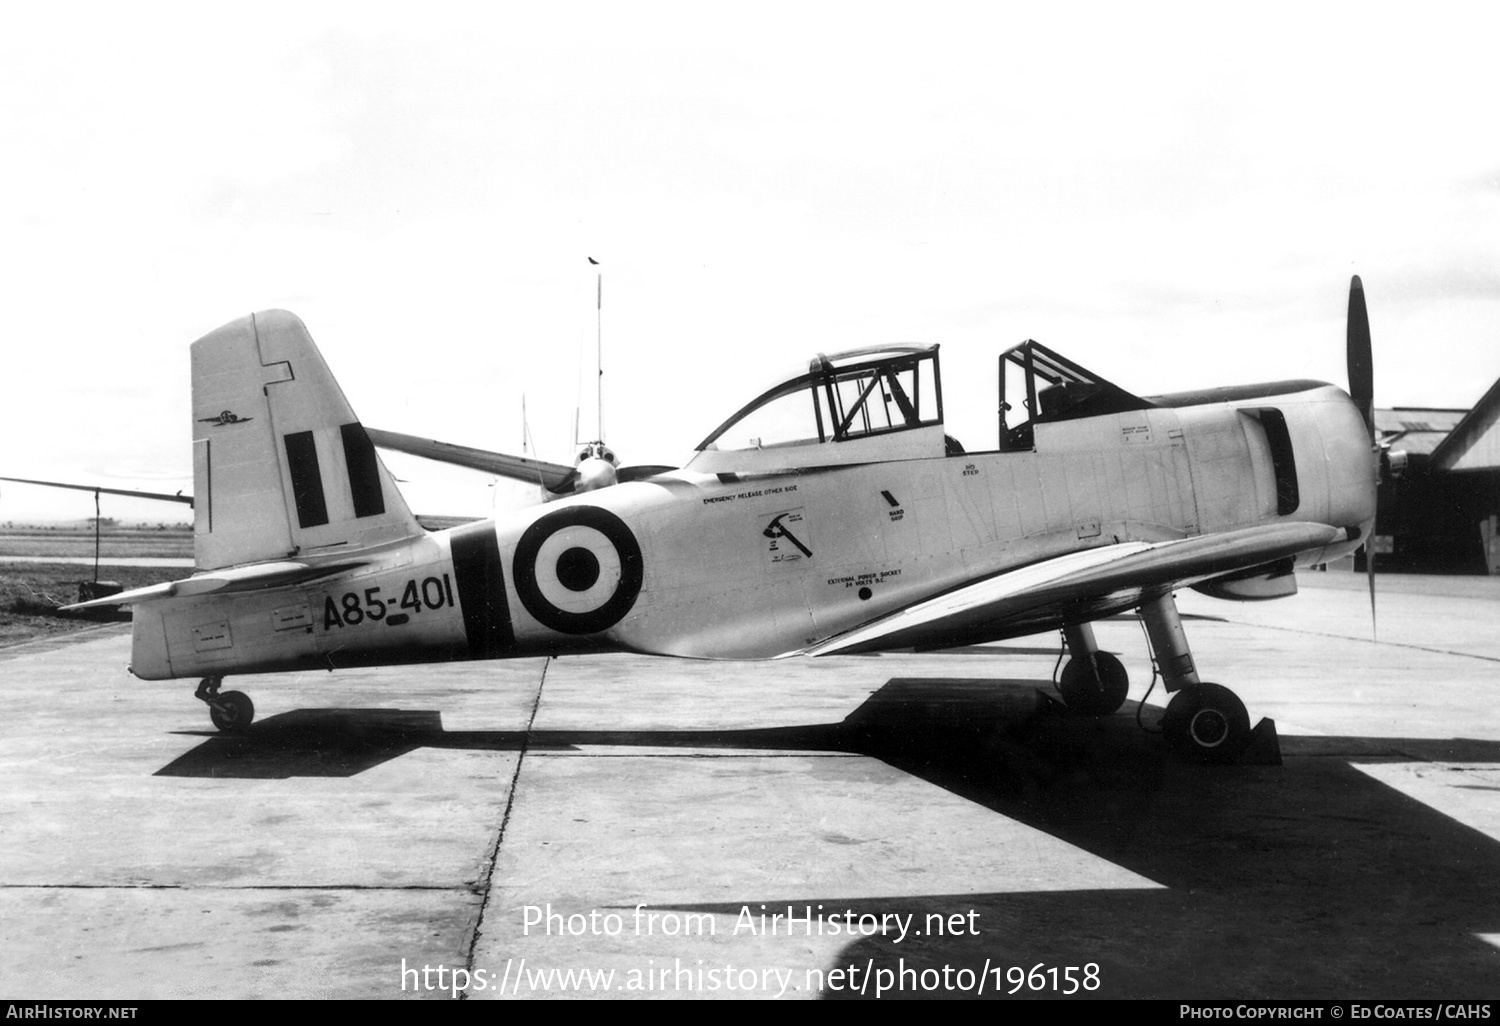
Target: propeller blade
{"points": [[1361, 364], [1362, 391]]}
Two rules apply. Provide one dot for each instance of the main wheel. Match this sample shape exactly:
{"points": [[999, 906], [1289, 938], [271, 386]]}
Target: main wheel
{"points": [[1091, 695], [232, 711], [1207, 723]]}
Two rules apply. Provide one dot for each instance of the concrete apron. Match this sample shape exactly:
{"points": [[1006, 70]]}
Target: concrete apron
{"points": [[913, 822]]}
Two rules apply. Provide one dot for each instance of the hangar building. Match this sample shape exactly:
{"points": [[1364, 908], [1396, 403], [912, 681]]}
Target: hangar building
{"points": [[1443, 514]]}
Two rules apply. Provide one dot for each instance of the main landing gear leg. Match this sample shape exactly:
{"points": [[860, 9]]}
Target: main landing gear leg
{"points": [[1206, 722], [231, 711], [1093, 683]]}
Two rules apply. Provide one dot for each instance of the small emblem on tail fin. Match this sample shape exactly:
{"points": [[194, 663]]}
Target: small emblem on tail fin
{"points": [[227, 417]]}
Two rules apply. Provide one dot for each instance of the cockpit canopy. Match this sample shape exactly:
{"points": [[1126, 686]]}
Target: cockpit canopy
{"points": [[1048, 388], [863, 406]]}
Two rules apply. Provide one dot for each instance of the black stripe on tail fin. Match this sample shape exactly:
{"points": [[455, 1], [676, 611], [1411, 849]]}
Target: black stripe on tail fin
{"points": [[307, 480], [364, 471]]}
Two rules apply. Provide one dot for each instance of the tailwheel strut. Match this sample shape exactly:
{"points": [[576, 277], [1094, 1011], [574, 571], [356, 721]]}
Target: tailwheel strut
{"points": [[230, 711], [1093, 683]]}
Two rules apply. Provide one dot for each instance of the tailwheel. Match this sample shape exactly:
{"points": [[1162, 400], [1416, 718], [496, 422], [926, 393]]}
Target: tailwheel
{"points": [[1094, 687], [232, 711], [1207, 723]]}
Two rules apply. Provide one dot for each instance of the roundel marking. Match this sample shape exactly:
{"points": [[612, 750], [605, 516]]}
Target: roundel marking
{"points": [[578, 570]]}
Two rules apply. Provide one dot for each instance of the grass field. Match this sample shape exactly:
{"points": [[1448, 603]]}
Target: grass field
{"points": [[114, 542], [31, 592]]}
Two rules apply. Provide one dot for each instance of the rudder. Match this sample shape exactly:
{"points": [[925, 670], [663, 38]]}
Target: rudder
{"points": [[281, 465]]}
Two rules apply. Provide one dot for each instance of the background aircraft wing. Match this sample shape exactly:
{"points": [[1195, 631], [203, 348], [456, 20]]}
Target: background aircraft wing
{"points": [[552, 476], [133, 493], [430, 522], [555, 477], [983, 610]]}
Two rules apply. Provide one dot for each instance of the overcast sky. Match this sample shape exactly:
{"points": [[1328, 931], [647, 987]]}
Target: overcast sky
{"points": [[1173, 196]]}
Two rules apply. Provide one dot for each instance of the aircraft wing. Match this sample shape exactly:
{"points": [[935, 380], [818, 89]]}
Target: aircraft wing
{"points": [[242, 578], [552, 476], [980, 611]]}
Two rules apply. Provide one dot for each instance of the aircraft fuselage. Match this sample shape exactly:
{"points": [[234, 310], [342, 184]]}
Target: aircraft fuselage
{"points": [[755, 566]]}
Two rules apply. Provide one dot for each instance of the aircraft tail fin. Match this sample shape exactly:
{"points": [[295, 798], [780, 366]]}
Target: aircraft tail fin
{"points": [[281, 466]]}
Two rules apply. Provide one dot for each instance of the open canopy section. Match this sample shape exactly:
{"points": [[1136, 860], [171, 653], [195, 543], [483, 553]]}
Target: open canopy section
{"points": [[1044, 386], [864, 406]]}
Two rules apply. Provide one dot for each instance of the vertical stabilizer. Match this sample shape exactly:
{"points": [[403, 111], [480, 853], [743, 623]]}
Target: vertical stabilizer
{"points": [[281, 466]]}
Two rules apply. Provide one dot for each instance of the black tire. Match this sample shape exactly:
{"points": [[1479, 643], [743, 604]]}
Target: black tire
{"points": [[232, 711], [1207, 723], [1089, 695]]}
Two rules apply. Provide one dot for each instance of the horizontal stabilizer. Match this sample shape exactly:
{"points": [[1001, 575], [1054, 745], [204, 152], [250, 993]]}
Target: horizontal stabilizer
{"points": [[244, 578]]}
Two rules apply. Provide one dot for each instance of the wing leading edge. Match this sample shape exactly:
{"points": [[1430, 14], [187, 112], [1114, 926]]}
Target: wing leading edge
{"points": [[978, 611]]}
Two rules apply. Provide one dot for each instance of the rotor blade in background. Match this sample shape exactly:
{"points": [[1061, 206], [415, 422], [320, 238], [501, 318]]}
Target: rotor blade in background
{"points": [[1361, 364]]}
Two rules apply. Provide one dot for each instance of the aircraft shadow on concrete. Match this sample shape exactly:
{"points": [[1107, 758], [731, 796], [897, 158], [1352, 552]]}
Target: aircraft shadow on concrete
{"points": [[1310, 879], [905, 714]]}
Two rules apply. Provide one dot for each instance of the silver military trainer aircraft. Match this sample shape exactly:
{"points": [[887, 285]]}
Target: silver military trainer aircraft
{"points": [[831, 514]]}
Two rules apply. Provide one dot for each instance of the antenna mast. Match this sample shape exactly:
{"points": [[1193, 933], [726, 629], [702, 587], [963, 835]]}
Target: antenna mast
{"points": [[598, 348]]}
